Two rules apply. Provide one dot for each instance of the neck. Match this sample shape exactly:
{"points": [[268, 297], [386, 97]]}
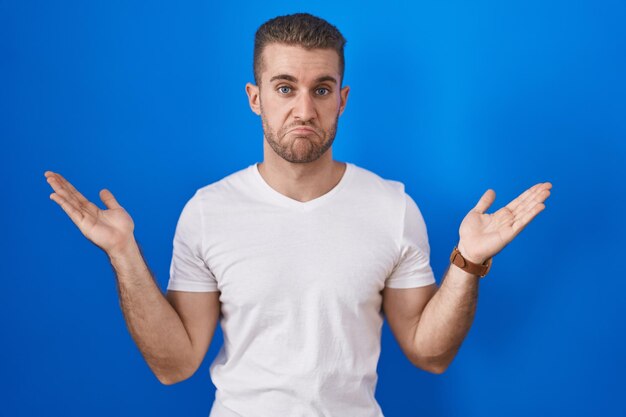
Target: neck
{"points": [[303, 181]]}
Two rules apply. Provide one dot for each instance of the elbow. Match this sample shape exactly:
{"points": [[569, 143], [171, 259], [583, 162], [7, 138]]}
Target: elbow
{"points": [[436, 369], [167, 380], [172, 370], [435, 366], [171, 377]]}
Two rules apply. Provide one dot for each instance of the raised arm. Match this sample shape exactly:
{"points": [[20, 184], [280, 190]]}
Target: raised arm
{"points": [[173, 334], [430, 323]]}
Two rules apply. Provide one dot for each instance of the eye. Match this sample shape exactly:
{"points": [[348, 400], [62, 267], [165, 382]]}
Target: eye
{"points": [[284, 89], [323, 91]]}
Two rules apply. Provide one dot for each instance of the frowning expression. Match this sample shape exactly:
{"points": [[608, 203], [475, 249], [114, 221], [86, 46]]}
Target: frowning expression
{"points": [[299, 99]]}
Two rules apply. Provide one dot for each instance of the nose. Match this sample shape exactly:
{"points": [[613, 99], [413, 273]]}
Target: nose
{"points": [[304, 107]]}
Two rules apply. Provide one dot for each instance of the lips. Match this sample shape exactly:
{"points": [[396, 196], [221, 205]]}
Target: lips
{"points": [[302, 130]]}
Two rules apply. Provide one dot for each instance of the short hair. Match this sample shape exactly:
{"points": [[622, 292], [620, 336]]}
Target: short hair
{"points": [[299, 29]]}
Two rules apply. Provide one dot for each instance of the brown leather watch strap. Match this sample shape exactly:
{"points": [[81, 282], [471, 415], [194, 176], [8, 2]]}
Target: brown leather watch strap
{"points": [[470, 267]]}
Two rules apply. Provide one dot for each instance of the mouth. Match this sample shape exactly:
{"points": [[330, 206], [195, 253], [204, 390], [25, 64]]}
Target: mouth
{"points": [[302, 131]]}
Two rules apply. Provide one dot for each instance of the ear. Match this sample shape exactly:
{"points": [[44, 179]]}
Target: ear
{"points": [[253, 98], [344, 98]]}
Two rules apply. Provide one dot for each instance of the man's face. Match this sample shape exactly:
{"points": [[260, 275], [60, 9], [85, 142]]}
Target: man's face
{"points": [[299, 100]]}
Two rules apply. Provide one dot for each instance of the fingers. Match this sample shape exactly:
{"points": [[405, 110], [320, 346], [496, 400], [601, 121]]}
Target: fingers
{"points": [[70, 194], [520, 204], [107, 198], [66, 184], [60, 187], [528, 209], [485, 201], [522, 221], [74, 214], [522, 197], [62, 196]]}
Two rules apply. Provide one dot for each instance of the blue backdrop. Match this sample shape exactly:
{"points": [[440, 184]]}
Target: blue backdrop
{"points": [[452, 98]]}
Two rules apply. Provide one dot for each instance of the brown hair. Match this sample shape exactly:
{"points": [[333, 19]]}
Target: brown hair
{"points": [[301, 29]]}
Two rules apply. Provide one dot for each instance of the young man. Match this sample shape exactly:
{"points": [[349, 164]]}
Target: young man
{"points": [[300, 255]]}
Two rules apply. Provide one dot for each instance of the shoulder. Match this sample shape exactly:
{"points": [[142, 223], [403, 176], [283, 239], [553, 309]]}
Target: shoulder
{"points": [[221, 196], [229, 188], [368, 181], [226, 184], [390, 193]]}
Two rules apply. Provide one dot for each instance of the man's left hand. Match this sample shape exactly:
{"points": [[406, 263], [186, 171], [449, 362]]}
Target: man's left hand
{"points": [[483, 235]]}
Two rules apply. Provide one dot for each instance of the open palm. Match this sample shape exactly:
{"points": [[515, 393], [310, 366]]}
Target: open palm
{"points": [[483, 235], [109, 229]]}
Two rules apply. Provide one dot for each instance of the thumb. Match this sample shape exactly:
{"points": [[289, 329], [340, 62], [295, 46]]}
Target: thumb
{"points": [[485, 201], [107, 198]]}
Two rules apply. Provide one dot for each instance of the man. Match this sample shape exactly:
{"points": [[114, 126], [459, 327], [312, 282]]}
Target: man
{"points": [[300, 255]]}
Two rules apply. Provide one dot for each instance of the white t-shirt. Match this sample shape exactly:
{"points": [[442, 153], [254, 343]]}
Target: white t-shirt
{"points": [[300, 287]]}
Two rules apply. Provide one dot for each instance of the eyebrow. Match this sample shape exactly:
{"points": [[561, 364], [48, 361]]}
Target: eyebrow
{"points": [[293, 79]]}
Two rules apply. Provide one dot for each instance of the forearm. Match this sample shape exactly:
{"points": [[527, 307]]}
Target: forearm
{"points": [[446, 318], [152, 321]]}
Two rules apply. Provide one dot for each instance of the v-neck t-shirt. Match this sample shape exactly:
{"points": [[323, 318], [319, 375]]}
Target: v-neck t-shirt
{"points": [[300, 288]]}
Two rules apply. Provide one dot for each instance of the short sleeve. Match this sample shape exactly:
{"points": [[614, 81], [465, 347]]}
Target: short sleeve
{"points": [[413, 268], [188, 270]]}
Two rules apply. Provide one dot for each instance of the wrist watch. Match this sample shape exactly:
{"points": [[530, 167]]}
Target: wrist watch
{"points": [[476, 269]]}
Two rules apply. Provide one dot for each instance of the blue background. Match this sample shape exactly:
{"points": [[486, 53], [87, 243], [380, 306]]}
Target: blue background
{"points": [[452, 98]]}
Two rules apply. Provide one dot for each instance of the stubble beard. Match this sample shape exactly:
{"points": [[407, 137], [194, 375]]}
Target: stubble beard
{"points": [[300, 149]]}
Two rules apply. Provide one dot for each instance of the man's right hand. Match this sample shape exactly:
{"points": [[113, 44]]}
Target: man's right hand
{"points": [[173, 333], [111, 230]]}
